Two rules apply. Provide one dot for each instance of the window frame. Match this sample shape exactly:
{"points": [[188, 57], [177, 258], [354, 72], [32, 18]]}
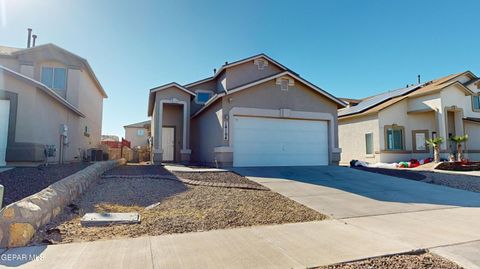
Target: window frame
{"points": [[210, 94], [138, 132], [473, 102], [366, 145], [385, 133], [53, 76], [414, 141]]}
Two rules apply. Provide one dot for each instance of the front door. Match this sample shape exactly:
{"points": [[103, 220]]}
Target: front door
{"points": [[4, 116], [168, 144]]}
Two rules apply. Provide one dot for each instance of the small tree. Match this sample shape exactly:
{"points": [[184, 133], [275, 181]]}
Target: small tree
{"points": [[458, 141], [435, 143]]}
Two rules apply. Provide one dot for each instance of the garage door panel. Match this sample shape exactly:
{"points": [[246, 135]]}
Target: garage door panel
{"points": [[279, 142]]}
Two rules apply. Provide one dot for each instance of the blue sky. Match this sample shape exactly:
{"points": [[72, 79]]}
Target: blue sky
{"points": [[349, 48]]}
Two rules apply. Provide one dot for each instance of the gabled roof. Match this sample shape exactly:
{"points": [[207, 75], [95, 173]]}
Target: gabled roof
{"points": [[151, 96], [339, 102], [232, 64], [8, 51], [383, 100], [44, 88], [19, 51], [141, 124], [376, 100]]}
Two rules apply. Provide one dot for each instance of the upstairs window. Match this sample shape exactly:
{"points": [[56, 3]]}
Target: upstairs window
{"points": [[202, 96], [476, 103], [140, 132], [54, 77]]}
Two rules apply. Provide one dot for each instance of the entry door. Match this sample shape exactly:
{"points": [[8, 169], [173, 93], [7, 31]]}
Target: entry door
{"points": [[168, 144], [4, 116], [279, 142]]}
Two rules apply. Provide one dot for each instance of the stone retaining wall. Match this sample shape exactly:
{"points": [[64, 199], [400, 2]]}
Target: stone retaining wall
{"points": [[20, 220]]}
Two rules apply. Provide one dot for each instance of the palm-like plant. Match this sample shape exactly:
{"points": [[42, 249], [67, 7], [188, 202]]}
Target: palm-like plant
{"points": [[458, 141], [435, 143]]}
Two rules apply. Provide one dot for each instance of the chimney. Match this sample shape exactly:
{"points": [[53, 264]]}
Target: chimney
{"points": [[34, 37], [418, 79], [29, 37]]}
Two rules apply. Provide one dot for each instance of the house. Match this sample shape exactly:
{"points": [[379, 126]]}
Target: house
{"points": [[394, 125], [252, 112], [138, 133], [48, 96]]}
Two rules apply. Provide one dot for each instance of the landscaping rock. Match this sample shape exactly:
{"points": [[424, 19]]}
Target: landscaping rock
{"points": [[19, 220]]}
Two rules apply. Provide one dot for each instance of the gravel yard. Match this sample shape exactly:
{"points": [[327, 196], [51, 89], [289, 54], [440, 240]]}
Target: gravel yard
{"points": [[24, 181], [457, 181], [179, 208], [413, 261], [220, 177]]}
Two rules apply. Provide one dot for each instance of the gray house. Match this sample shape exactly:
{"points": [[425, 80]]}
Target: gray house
{"points": [[252, 112]]}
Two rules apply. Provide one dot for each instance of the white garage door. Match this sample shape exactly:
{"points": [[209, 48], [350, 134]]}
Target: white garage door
{"points": [[279, 142], [4, 115]]}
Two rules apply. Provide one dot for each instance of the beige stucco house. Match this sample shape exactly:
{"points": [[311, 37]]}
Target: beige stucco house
{"points": [[138, 134], [252, 112], [394, 125], [48, 96]]}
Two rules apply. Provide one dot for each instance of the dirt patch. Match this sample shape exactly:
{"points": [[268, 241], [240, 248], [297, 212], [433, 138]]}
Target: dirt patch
{"points": [[22, 182], [219, 177], [179, 208], [137, 170], [414, 261], [459, 166]]}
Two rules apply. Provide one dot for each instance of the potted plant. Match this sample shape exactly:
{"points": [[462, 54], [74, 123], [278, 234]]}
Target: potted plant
{"points": [[435, 143], [458, 141]]}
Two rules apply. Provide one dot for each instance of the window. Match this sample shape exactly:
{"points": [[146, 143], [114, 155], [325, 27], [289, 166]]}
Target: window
{"points": [[394, 137], [476, 102], [140, 132], [54, 77], [420, 140], [202, 96], [369, 143]]}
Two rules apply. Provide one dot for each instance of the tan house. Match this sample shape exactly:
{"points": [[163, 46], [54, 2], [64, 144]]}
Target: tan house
{"points": [[138, 134], [252, 112], [394, 125], [48, 96]]}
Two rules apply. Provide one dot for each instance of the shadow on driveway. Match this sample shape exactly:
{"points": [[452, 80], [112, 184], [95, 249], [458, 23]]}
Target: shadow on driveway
{"points": [[315, 186]]}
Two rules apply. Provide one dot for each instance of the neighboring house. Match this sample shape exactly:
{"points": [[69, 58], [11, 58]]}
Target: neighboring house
{"points": [[138, 133], [252, 112], [48, 96], [112, 138], [394, 125]]}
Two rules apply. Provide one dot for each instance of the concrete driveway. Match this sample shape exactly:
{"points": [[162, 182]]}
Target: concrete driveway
{"points": [[342, 192]]}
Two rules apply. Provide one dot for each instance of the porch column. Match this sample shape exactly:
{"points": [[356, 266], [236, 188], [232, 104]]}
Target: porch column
{"points": [[157, 139], [185, 152]]}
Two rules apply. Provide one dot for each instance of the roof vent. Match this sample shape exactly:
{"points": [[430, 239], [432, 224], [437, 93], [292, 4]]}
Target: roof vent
{"points": [[29, 37], [214, 70], [34, 38]]}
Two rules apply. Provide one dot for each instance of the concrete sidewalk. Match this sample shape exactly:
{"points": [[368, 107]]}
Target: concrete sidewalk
{"points": [[298, 245]]}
